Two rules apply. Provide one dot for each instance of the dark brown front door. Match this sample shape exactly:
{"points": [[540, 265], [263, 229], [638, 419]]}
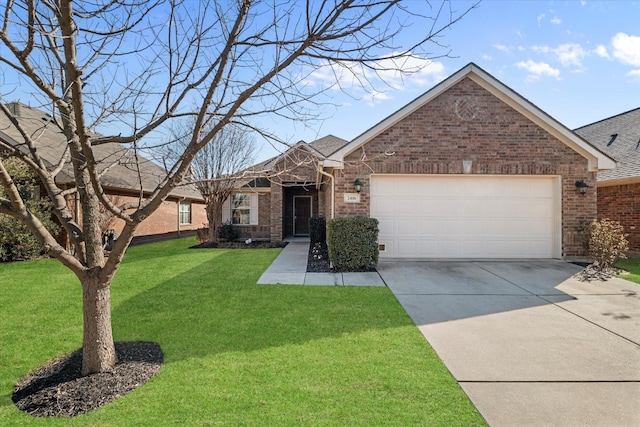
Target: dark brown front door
{"points": [[301, 215]]}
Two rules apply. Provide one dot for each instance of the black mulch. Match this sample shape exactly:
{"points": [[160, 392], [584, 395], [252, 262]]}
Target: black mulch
{"points": [[254, 244], [318, 261], [59, 389]]}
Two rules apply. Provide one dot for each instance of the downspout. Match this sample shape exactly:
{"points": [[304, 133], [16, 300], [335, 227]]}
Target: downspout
{"points": [[332, 188]]}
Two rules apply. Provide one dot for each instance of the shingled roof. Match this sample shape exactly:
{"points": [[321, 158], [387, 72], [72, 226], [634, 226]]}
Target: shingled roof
{"points": [[121, 168], [618, 137], [322, 148]]}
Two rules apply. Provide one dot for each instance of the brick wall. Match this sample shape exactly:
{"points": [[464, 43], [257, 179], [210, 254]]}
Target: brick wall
{"points": [[622, 203], [276, 213], [436, 138], [299, 167], [165, 219], [262, 231]]}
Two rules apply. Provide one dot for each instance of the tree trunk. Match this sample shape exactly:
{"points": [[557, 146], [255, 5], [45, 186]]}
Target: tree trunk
{"points": [[214, 216], [98, 349], [213, 227]]}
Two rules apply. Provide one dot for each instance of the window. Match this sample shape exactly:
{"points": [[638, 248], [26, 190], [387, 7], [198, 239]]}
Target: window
{"points": [[241, 209], [184, 212]]}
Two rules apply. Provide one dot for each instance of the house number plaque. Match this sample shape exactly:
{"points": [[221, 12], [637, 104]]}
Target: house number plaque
{"points": [[352, 197]]}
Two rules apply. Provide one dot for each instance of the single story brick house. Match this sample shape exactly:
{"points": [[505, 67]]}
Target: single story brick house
{"points": [[469, 169], [181, 213], [619, 189]]}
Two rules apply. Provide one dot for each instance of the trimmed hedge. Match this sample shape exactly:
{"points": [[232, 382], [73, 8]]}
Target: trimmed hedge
{"points": [[353, 243], [317, 229]]}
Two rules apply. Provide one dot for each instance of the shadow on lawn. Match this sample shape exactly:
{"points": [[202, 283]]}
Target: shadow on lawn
{"points": [[214, 308]]}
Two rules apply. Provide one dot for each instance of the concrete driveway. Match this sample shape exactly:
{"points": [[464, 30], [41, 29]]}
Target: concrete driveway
{"points": [[528, 342]]}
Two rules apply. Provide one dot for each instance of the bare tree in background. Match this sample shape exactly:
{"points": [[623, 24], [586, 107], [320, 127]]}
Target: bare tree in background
{"points": [[214, 170], [129, 68]]}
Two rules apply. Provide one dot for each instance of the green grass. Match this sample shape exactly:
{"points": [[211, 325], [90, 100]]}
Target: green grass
{"points": [[236, 353], [632, 266]]}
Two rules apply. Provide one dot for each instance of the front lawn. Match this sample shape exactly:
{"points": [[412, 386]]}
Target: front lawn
{"points": [[632, 266], [236, 353]]}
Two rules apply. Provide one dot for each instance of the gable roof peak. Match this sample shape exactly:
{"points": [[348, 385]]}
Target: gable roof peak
{"points": [[597, 159]]}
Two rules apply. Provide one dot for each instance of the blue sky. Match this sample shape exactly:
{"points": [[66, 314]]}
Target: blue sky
{"points": [[579, 61]]}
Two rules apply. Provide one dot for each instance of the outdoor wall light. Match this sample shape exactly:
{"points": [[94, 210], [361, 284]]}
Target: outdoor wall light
{"points": [[358, 185], [582, 187]]}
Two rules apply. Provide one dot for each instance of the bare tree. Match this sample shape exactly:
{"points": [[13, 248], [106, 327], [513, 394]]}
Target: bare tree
{"points": [[215, 169], [129, 68]]}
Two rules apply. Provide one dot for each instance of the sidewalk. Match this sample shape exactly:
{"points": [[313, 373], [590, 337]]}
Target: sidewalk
{"points": [[290, 268]]}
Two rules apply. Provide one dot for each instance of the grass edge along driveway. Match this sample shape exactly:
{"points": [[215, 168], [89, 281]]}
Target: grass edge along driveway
{"points": [[236, 353]]}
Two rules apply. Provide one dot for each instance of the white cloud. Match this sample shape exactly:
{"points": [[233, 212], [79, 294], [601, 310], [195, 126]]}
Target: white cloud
{"points": [[540, 49], [570, 54], [502, 48], [486, 57], [538, 69], [556, 21], [541, 17], [359, 81], [635, 74], [627, 49], [602, 52]]}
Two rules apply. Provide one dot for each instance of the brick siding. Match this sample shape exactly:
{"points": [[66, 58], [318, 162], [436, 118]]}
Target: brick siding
{"points": [[299, 167], [261, 231], [499, 140], [164, 220], [622, 203]]}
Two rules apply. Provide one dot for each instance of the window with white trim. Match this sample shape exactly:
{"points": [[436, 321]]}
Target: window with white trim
{"points": [[240, 209], [184, 212]]}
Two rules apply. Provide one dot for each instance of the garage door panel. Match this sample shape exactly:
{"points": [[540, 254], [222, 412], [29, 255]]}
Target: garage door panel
{"points": [[465, 216], [410, 228], [383, 207], [406, 247], [452, 248]]}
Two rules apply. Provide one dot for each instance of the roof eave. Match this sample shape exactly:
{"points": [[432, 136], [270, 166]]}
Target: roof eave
{"points": [[596, 159]]}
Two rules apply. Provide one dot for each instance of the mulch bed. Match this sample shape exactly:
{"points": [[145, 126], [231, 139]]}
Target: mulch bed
{"points": [[59, 389], [318, 261], [254, 244]]}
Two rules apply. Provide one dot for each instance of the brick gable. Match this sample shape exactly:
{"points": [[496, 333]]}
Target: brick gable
{"points": [[466, 122]]}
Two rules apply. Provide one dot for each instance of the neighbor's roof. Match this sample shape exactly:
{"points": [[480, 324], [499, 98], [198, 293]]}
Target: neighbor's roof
{"points": [[619, 137], [321, 148], [328, 145], [121, 168], [597, 160]]}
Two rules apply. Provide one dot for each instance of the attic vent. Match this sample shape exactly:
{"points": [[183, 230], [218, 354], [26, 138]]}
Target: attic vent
{"points": [[613, 138], [638, 144]]}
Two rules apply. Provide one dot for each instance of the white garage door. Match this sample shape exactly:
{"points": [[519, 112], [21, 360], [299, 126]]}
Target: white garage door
{"points": [[461, 216]]}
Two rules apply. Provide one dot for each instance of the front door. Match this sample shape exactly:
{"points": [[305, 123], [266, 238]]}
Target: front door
{"points": [[301, 215]]}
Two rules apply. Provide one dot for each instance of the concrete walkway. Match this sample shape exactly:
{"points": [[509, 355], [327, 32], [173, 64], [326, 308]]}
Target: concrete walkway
{"points": [[529, 343], [290, 268]]}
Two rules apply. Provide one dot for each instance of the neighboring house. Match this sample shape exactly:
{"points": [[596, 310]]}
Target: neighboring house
{"points": [[619, 189], [123, 180], [470, 169]]}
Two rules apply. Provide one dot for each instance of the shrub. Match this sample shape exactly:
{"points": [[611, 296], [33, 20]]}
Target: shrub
{"points": [[16, 241], [228, 232], [607, 243], [353, 243], [202, 235], [317, 229]]}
